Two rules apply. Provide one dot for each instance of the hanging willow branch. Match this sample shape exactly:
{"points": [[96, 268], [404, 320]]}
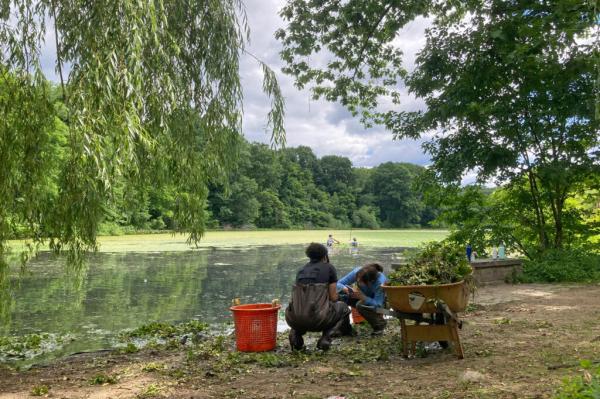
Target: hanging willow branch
{"points": [[154, 97]]}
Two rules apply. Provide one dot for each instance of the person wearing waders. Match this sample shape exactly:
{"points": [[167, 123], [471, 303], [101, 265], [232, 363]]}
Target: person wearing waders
{"points": [[314, 304], [354, 247], [330, 242], [361, 289]]}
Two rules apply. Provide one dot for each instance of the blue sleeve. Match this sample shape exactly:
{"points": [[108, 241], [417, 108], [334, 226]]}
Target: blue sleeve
{"points": [[379, 296], [348, 279]]}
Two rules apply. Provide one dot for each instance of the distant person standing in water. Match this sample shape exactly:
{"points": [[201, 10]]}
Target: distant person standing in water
{"points": [[330, 242], [354, 247]]}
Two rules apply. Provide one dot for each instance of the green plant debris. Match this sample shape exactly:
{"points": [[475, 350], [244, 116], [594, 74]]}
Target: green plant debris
{"points": [[151, 391], [29, 346], [165, 330], [435, 263], [162, 335], [503, 321], [40, 390], [153, 366], [103, 379], [152, 330], [271, 360]]}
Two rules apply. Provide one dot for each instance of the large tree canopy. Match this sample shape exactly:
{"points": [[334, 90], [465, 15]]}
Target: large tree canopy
{"points": [[511, 87], [150, 95]]}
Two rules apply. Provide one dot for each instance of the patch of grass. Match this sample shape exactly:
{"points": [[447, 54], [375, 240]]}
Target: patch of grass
{"points": [[176, 373], [503, 321], [474, 307], [130, 348], [39, 390], [420, 350], [543, 324], [151, 391], [152, 366], [483, 352], [103, 379]]}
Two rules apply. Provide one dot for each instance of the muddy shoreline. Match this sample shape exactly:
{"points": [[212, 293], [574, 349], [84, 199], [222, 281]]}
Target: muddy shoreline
{"points": [[514, 337]]}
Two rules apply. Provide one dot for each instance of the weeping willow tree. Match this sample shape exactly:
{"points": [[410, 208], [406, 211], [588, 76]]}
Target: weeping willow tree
{"points": [[151, 93]]}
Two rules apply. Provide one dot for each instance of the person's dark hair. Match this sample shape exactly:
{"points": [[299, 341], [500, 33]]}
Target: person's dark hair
{"points": [[369, 273], [316, 252]]}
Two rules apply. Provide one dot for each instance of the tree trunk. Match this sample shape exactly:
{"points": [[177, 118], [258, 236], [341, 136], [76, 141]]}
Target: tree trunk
{"points": [[558, 226], [539, 212]]}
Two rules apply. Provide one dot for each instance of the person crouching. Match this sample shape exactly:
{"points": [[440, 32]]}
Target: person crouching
{"points": [[314, 304], [366, 297]]}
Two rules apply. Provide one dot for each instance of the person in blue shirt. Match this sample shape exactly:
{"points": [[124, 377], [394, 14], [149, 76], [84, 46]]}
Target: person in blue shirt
{"points": [[366, 299]]}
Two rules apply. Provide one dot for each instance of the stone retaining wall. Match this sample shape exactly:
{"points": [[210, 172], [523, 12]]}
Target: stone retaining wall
{"points": [[494, 271]]}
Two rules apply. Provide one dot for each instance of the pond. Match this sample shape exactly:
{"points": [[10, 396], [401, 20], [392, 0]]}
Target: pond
{"points": [[120, 291]]}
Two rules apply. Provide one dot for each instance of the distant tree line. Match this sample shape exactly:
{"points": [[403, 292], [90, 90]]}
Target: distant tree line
{"points": [[287, 188], [258, 186]]}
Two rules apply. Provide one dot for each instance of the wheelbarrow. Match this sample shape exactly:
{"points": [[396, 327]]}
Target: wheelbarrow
{"points": [[433, 308]]}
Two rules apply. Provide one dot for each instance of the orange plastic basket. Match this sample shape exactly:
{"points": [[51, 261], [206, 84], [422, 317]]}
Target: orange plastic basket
{"points": [[255, 326], [357, 317]]}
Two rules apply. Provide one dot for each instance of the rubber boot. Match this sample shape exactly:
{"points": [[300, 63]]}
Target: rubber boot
{"points": [[343, 328], [324, 343], [296, 340], [375, 320]]}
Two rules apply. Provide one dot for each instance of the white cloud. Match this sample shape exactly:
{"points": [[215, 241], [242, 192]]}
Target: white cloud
{"points": [[328, 128]]}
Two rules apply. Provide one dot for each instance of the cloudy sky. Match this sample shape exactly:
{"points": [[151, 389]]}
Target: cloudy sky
{"points": [[327, 128]]}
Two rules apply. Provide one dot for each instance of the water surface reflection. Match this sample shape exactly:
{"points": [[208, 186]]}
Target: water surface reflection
{"points": [[124, 290]]}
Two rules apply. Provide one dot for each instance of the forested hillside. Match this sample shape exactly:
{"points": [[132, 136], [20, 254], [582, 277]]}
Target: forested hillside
{"points": [[289, 188]]}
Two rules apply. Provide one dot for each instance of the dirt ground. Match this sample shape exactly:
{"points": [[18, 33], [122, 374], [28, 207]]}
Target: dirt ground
{"points": [[514, 337]]}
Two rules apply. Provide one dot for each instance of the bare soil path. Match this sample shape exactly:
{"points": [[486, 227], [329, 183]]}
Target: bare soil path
{"points": [[511, 336]]}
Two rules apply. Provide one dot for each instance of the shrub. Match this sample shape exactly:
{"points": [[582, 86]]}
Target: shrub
{"points": [[581, 387], [157, 224], [562, 266]]}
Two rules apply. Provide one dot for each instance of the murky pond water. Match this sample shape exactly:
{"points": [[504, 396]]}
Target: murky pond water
{"points": [[121, 291]]}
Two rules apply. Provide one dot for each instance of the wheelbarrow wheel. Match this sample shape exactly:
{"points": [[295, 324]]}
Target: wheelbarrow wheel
{"points": [[440, 319]]}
